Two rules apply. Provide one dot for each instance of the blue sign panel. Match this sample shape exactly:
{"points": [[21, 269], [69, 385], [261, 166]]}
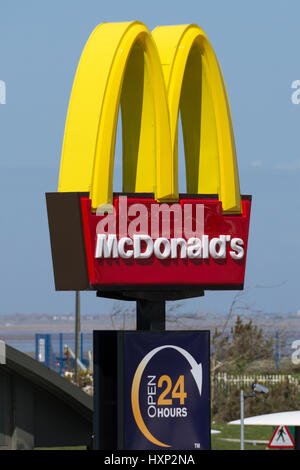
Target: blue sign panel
{"points": [[166, 391]]}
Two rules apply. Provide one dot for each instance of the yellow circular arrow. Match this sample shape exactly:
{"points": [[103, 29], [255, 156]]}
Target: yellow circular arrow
{"points": [[135, 403]]}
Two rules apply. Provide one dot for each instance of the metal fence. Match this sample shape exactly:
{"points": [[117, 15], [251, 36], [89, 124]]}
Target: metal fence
{"points": [[246, 380]]}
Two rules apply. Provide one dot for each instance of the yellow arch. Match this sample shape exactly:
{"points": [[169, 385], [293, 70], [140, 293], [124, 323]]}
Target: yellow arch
{"points": [[195, 85], [120, 64]]}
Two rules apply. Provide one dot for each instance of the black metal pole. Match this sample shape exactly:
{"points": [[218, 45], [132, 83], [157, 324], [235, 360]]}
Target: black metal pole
{"points": [[297, 437], [150, 315]]}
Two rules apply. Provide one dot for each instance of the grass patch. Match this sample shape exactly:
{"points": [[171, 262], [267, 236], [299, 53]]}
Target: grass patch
{"points": [[232, 431], [228, 431]]}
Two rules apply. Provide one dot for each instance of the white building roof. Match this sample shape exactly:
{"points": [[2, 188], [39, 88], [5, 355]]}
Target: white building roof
{"points": [[285, 418]]}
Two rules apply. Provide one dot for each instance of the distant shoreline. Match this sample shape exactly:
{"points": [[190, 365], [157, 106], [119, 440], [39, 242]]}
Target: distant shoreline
{"points": [[22, 328]]}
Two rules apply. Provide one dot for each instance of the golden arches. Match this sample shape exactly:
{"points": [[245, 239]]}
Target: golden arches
{"points": [[195, 85], [152, 77]]}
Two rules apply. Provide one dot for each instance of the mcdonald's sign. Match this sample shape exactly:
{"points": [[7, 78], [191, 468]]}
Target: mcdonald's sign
{"points": [[149, 238]]}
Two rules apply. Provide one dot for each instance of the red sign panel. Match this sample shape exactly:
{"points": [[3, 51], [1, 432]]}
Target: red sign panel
{"points": [[142, 243]]}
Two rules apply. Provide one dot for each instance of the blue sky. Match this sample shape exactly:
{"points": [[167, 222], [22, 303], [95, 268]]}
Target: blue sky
{"points": [[257, 44]]}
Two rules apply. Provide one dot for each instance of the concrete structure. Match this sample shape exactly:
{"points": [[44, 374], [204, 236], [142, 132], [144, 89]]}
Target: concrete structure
{"points": [[38, 407]]}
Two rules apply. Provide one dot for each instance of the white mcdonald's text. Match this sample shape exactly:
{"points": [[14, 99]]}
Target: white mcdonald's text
{"points": [[144, 247]]}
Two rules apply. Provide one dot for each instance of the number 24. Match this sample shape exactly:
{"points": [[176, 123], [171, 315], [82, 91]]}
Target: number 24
{"points": [[177, 392]]}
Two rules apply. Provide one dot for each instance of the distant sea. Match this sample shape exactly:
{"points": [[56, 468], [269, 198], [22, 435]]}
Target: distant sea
{"points": [[20, 331]]}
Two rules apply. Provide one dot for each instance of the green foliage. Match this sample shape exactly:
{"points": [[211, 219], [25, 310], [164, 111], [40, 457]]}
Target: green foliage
{"points": [[281, 397], [246, 349], [241, 346]]}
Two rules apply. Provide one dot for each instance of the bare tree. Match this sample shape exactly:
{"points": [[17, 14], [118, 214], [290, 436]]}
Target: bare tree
{"points": [[219, 340], [121, 315]]}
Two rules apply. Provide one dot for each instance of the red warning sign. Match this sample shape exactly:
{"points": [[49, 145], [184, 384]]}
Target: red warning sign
{"points": [[281, 439]]}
